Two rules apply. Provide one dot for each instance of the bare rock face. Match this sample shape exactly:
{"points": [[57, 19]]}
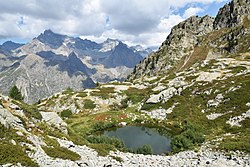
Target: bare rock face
{"points": [[53, 119], [232, 14], [179, 44], [200, 38], [9, 120], [38, 80]]}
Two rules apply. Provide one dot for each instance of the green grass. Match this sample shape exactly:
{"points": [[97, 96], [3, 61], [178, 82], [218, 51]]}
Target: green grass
{"points": [[61, 152], [66, 113], [136, 95], [68, 91], [191, 104], [29, 110], [89, 104], [151, 106], [81, 94], [51, 142], [233, 144], [8, 134], [14, 154], [102, 149], [237, 69], [50, 130], [105, 92]]}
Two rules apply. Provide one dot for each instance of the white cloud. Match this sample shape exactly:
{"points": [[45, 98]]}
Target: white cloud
{"points": [[144, 22], [192, 12], [152, 38]]}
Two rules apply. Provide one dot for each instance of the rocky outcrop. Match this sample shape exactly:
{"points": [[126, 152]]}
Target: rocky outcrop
{"points": [[163, 96], [160, 114], [232, 14], [215, 102], [54, 120], [200, 38], [9, 120], [235, 121], [90, 158], [179, 44]]}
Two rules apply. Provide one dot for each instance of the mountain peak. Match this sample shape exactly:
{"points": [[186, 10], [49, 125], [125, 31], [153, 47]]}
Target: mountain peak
{"points": [[109, 45], [52, 39], [48, 31], [232, 14], [10, 45], [200, 38], [111, 40]]}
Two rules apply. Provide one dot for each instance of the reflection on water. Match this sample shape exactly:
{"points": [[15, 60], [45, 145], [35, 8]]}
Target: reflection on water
{"points": [[135, 136]]}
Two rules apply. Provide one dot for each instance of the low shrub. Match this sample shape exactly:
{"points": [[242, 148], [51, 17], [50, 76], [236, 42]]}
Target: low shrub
{"points": [[68, 91], [189, 137], [89, 104], [124, 103], [102, 149], [14, 154], [66, 113], [180, 143], [99, 126], [145, 149], [81, 94], [117, 143], [150, 106], [51, 142], [61, 152], [30, 110]]}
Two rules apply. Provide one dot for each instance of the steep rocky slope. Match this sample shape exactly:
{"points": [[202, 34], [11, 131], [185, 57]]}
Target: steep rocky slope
{"points": [[38, 77], [200, 38]]}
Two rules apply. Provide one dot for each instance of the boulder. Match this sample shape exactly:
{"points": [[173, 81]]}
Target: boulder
{"points": [[53, 119], [9, 120], [163, 96]]}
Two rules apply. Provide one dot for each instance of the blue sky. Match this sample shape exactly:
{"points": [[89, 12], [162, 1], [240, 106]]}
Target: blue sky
{"points": [[145, 22]]}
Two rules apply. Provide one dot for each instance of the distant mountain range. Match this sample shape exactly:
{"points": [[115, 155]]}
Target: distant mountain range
{"points": [[52, 62]]}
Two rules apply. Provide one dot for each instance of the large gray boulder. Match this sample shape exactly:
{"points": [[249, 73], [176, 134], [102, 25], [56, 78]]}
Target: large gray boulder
{"points": [[9, 120]]}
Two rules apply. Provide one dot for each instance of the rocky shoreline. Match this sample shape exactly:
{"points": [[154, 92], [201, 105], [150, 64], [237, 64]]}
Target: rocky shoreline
{"points": [[90, 158]]}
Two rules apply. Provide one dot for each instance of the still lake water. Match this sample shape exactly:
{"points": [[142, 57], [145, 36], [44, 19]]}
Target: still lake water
{"points": [[137, 136]]}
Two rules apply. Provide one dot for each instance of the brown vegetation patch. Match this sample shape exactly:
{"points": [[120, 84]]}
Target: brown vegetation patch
{"points": [[101, 117]]}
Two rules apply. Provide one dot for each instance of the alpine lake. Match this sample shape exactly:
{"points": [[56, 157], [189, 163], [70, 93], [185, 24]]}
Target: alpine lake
{"points": [[137, 136]]}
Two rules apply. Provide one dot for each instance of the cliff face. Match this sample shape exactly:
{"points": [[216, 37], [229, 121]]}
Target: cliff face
{"points": [[200, 38], [232, 14]]}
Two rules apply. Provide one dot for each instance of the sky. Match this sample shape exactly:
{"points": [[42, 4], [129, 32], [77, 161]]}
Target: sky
{"points": [[144, 22]]}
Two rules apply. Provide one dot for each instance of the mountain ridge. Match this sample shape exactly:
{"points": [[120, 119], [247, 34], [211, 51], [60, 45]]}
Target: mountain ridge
{"points": [[84, 61], [200, 34]]}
